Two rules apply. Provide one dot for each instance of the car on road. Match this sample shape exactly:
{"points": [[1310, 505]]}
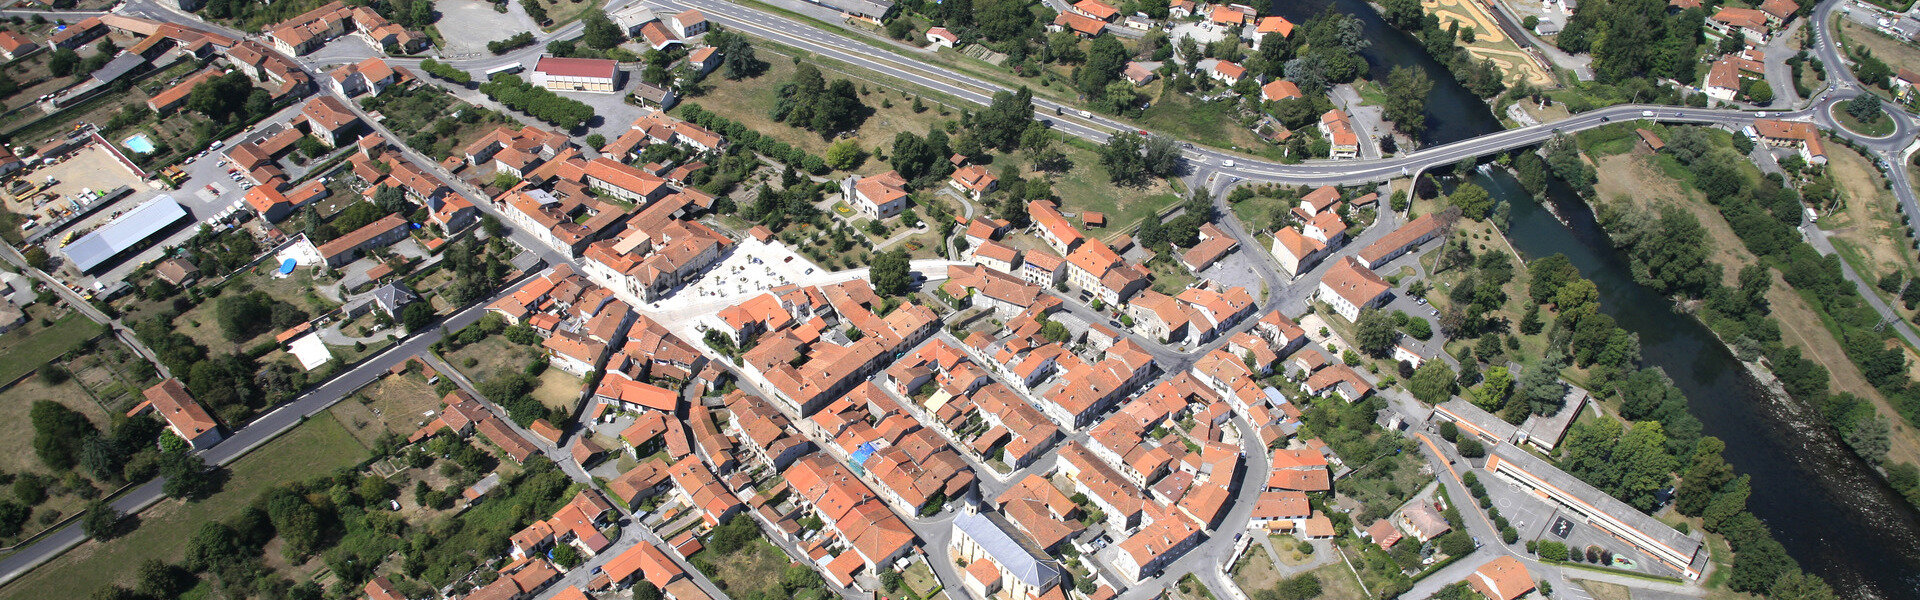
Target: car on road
{"points": [[1420, 301], [1227, 164], [1646, 113]]}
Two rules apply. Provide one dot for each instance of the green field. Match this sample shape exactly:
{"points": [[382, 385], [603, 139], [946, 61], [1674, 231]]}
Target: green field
{"points": [[27, 348], [314, 448]]}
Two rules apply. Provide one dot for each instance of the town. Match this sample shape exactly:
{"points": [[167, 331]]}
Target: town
{"points": [[962, 300]]}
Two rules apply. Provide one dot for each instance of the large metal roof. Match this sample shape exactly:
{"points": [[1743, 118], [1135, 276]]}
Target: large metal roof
{"points": [[124, 232]]}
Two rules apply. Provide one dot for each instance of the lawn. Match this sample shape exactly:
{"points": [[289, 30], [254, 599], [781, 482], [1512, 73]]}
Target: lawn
{"points": [[1880, 127], [749, 101], [16, 403], [754, 569], [297, 289], [1260, 213], [314, 448], [1255, 570], [32, 345], [482, 360], [394, 404], [1895, 53], [558, 389], [1337, 582], [1866, 226], [1085, 188], [1210, 123]]}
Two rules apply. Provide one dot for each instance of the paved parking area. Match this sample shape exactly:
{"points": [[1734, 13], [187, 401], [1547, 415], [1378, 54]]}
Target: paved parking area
{"points": [[468, 25], [1537, 519], [92, 167], [1239, 268]]}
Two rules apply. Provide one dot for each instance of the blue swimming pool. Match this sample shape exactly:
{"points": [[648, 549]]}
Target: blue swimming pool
{"points": [[139, 143]]}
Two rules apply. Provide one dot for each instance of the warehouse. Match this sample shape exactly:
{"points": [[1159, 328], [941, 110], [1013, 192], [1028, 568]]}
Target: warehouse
{"points": [[124, 233], [576, 74]]}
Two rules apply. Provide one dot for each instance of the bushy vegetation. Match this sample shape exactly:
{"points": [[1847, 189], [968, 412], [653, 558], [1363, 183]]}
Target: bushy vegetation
{"points": [[541, 103], [448, 72]]}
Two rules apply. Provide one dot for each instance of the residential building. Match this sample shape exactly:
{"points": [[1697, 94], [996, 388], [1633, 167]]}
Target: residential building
{"points": [[372, 75], [1350, 287], [378, 234], [184, 416], [1503, 578], [1799, 135], [1337, 128], [329, 120], [973, 181], [1748, 22], [1405, 239], [13, 45], [876, 196]]}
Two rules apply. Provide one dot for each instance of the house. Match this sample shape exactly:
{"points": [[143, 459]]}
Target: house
{"points": [[1405, 239], [704, 60], [184, 417], [176, 271], [1043, 269], [269, 203], [1747, 22], [654, 96], [576, 74], [1779, 11], [688, 23], [1350, 287], [378, 234], [1096, 9], [939, 36], [1280, 89], [372, 75], [1337, 128], [1298, 253], [1792, 134], [1226, 72], [876, 196], [1502, 578], [329, 120], [1138, 74], [974, 181], [13, 45], [1081, 25], [78, 34], [1271, 25], [657, 36], [1214, 245], [171, 98]]}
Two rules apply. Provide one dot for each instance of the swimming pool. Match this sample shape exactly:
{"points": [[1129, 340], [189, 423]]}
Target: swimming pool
{"points": [[139, 143]]}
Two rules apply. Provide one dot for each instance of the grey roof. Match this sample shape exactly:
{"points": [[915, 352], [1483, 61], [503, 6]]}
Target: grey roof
{"points": [[1619, 511], [118, 67], [392, 296], [1466, 412], [124, 232], [1546, 432], [1027, 564], [865, 8]]}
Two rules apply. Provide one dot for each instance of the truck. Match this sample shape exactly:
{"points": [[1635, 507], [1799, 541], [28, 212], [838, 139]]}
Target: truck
{"points": [[1084, 114]]}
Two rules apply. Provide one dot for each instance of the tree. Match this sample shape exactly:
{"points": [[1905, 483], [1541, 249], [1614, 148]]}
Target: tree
{"points": [[1161, 156], [417, 316], [1758, 92], [566, 556], [1432, 383], [1374, 330], [900, 28], [63, 62], [1406, 105], [58, 433], [37, 257], [1474, 201], [101, 521], [186, 475], [1470, 447], [1541, 390], [1703, 478], [1865, 107], [845, 155], [1493, 391], [1868, 437], [1123, 160], [1799, 585], [889, 273], [1106, 59], [600, 32]]}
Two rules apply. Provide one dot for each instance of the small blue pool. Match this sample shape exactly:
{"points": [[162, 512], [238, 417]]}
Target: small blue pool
{"points": [[139, 143], [287, 266]]}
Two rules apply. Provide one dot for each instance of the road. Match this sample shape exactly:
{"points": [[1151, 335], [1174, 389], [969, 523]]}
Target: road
{"points": [[1216, 170], [277, 421]]}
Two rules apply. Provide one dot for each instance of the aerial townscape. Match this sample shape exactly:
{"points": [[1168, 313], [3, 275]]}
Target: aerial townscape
{"points": [[959, 299]]}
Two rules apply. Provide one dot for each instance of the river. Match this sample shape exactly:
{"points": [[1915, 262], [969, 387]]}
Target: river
{"points": [[1825, 505]]}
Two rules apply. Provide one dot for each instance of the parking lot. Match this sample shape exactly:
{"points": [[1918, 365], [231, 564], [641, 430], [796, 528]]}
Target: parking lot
{"points": [[91, 168], [1537, 519], [470, 24]]}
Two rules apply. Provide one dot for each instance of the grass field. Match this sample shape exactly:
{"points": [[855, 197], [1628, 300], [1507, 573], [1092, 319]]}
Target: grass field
{"points": [[1337, 582], [1895, 53], [314, 448], [18, 457], [754, 568], [395, 404], [1635, 178], [32, 345], [1255, 570], [200, 324], [1210, 123], [749, 101], [1880, 127], [492, 356], [558, 389], [1865, 227]]}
